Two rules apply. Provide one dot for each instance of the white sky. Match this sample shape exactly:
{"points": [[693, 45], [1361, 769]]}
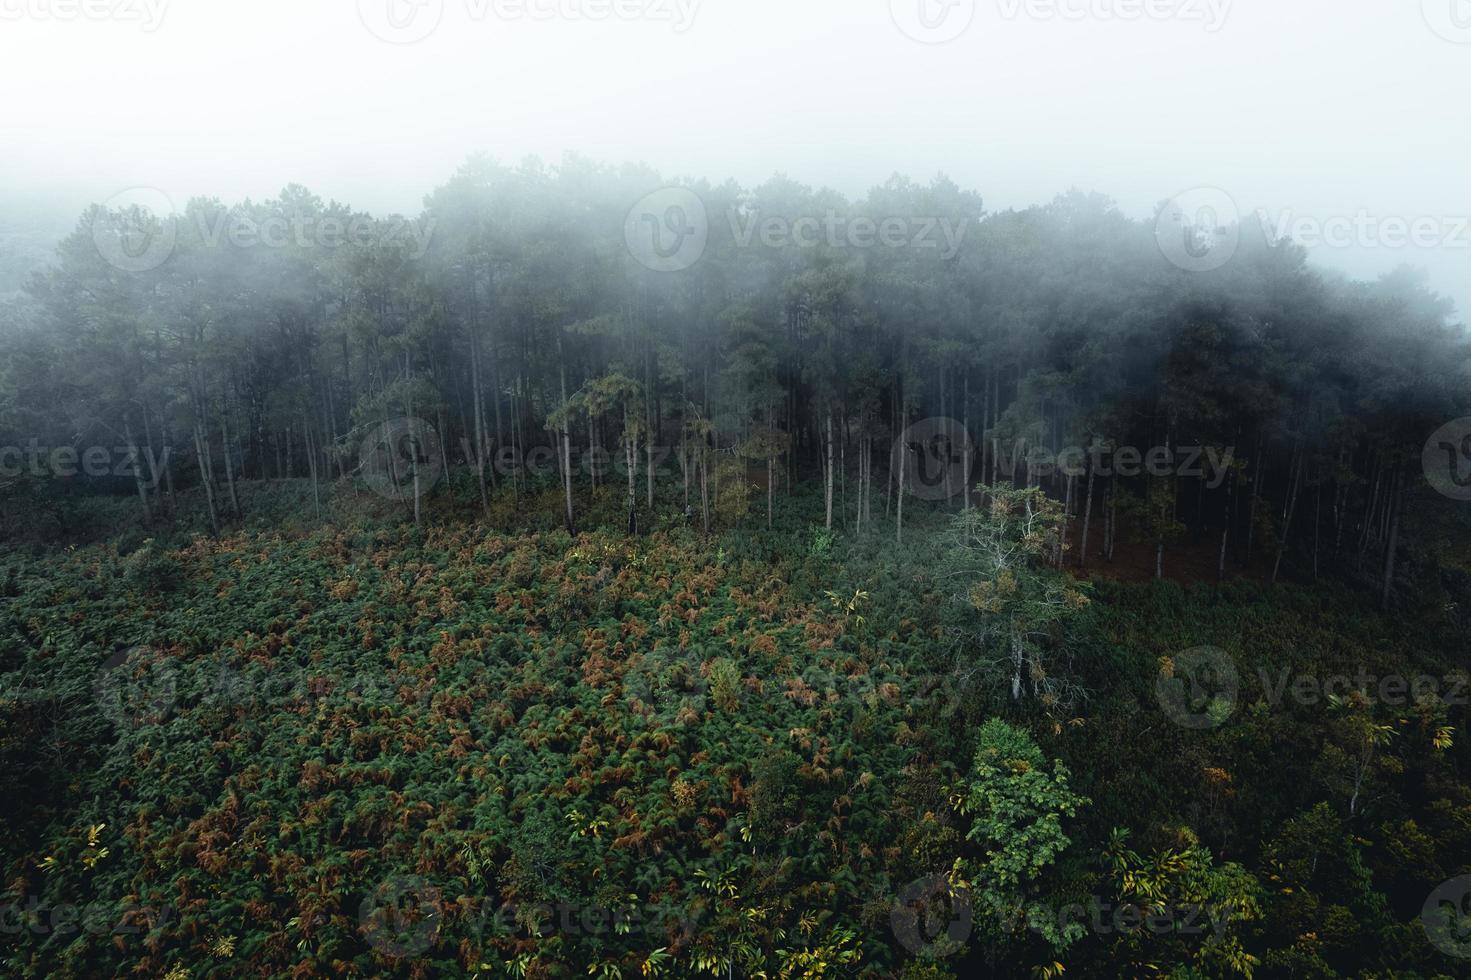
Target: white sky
{"points": [[1324, 107]]}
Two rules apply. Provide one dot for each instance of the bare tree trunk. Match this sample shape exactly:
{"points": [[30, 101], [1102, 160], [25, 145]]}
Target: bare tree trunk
{"points": [[1067, 520], [704, 487], [965, 449], [649, 445], [481, 442], [898, 417], [229, 463], [829, 495], [1226, 527], [1396, 504], [1289, 509], [479, 407], [311, 464], [1018, 657], [1371, 507], [495, 383], [168, 471], [1087, 516], [630, 441], [868, 479], [649, 427], [770, 481], [1365, 757], [843, 471], [901, 450], [330, 408], [201, 454], [566, 438], [418, 492], [996, 420], [518, 452], [592, 455], [443, 456], [418, 489], [1340, 499], [137, 458]]}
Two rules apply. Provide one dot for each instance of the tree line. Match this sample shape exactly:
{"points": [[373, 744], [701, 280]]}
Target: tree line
{"points": [[537, 307]]}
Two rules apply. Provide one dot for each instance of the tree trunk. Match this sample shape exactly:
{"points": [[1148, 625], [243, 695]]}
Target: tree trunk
{"points": [[829, 495], [1017, 659], [137, 458], [902, 451], [630, 442], [704, 486], [229, 463], [1067, 520], [965, 449], [478, 404], [168, 471], [843, 471], [1371, 507], [200, 454], [770, 480], [1226, 527], [311, 465], [566, 438], [1087, 517], [1289, 509], [1396, 504]]}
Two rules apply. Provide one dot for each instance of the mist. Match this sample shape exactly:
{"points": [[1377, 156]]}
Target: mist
{"points": [[896, 490], [1302, 109]]}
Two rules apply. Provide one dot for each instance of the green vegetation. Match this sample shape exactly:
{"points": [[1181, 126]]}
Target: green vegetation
{"points": [[514, 610], [375, 748]]}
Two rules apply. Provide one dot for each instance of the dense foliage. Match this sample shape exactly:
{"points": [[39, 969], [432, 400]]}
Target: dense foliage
{"points": [[754, 706], [517, 316], [447, 750]]}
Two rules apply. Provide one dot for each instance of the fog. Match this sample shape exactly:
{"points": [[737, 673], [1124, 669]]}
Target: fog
{"points": [[880, 490], [1318, 113]]}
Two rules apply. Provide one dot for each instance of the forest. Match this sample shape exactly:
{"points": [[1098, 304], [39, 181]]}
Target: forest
{"points": [[599, 573]]}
